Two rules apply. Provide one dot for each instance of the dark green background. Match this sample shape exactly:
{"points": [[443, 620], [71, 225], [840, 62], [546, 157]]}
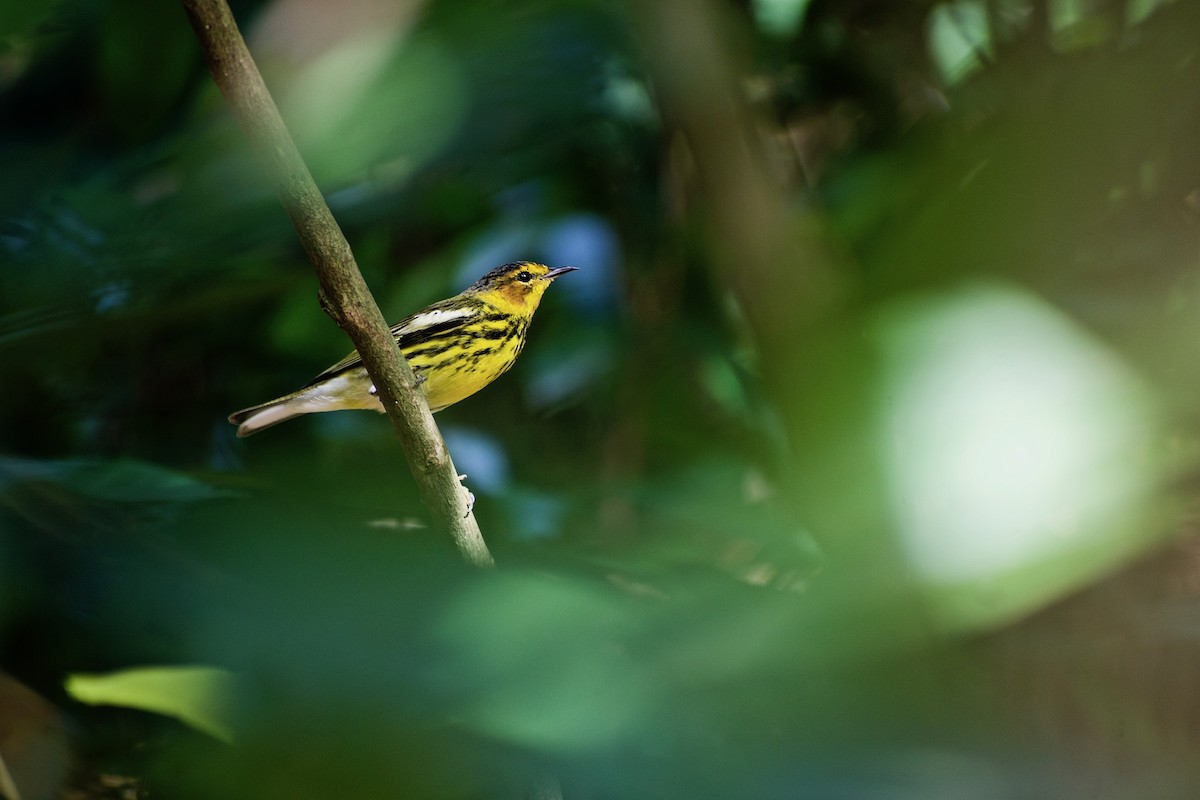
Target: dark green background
{"points": [[701, 589]]}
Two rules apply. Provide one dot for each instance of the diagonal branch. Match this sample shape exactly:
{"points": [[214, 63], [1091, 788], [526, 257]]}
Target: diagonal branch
{"points": [[344, 293]]}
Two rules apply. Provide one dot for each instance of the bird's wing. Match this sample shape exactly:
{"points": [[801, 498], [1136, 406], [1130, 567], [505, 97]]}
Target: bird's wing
{"points": [[435, 320]]}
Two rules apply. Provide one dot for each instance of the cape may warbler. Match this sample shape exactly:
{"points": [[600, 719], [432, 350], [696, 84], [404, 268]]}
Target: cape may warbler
{"points": [[455, 347]]}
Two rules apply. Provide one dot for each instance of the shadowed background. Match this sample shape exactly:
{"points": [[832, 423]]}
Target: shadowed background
{"points": [[857, 460]]}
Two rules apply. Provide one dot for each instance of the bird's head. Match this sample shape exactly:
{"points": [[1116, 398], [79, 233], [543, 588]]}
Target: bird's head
{"points": [[517, 288]]}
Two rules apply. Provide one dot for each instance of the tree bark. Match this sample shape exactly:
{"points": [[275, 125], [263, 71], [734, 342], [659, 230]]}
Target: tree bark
{"points": [[344, 293]]}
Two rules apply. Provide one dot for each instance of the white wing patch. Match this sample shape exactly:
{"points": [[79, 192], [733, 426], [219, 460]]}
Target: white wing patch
{"points": [[427, 319]]}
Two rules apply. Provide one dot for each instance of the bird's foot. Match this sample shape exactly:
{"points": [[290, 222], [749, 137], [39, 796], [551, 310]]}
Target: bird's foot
{"points": [[470, 496]]}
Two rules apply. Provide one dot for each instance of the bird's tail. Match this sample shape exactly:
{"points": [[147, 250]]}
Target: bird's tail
{"points": [[256, 418]]}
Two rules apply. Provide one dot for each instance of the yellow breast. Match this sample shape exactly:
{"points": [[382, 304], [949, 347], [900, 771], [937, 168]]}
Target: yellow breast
{"points": [[461, 371]]}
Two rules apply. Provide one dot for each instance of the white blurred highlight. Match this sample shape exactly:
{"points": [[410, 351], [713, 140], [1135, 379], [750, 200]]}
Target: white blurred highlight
{"points": [[359, 93], [1014, 439]]}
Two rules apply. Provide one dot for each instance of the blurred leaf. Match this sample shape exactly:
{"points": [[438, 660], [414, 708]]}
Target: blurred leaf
{"points": [[1021, 452], [353, 117], [959, 39], [201, 697], [70, 495], [526, 689], [123, 481], [1079, 24], [780, 17]]}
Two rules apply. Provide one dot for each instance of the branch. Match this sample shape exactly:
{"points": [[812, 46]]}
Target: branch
{"points": [[344, 293]]}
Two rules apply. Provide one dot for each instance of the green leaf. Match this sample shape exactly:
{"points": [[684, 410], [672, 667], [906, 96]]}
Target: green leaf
{"points": [[121, 481], [198, 696], [959, 39]]}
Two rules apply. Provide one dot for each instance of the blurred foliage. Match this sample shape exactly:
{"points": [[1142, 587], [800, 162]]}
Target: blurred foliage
{"points": [[199, 696], [882, 346]]}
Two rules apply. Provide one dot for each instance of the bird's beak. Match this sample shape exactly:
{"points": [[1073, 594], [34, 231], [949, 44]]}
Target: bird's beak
{"points": [[554, 273]]}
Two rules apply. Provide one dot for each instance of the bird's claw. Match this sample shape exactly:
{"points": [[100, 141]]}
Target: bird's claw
{"points": [[470, 496]]}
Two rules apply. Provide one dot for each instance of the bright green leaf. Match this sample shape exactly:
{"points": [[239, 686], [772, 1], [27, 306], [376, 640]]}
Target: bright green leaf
{"points": [[200, 697]]}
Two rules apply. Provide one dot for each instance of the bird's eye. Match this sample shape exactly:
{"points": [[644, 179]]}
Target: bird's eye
{"points": [[524, 277]]}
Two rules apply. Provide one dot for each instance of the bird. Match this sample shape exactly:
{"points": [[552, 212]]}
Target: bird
{"points": [[455, 347]]}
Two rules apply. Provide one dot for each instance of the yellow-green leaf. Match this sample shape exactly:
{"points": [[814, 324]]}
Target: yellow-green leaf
{"points": [[198, 696]]}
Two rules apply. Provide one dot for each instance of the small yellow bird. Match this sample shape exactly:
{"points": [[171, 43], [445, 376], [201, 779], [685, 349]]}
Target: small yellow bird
{"points": [[455, 347]]}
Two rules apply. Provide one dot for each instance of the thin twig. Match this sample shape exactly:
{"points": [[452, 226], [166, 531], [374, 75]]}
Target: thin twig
{"points": [[344, 293]]}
